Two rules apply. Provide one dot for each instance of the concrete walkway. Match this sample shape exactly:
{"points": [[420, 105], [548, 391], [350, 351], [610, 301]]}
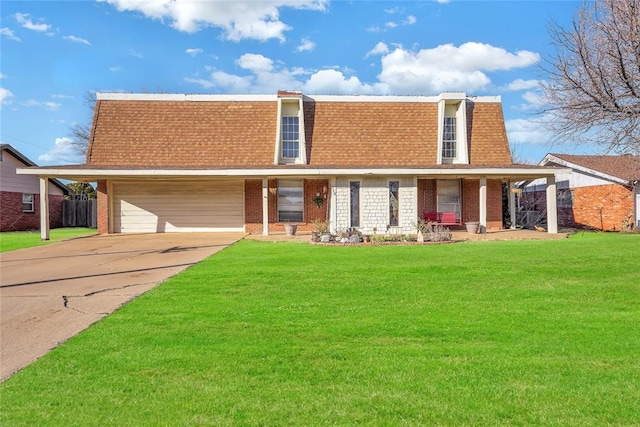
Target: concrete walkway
{"points": [[50, 293]]}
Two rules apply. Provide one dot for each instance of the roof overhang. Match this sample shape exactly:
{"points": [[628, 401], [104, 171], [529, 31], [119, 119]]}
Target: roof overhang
{"points": [[93, 174], [551, 159]]}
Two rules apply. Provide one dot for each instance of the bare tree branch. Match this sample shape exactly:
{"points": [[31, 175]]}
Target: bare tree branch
{"points": [[592, 93]]}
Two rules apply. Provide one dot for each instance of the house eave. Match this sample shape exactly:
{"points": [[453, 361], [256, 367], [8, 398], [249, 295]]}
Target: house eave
{"points": [[84, 174]]}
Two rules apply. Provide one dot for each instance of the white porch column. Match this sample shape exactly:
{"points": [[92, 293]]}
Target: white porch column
{"points": [[483, 204], [44, 208], [512, 204], [552, 206], [333, 212], [265, 206]]}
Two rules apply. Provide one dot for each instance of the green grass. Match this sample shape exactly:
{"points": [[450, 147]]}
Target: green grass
{"points": [[486, 333], [13, 240]]}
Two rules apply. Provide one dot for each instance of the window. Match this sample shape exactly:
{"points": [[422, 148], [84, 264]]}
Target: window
{"points": [[449, 196], [27, 202], [290, 137], [290, 200], [565, 198], [394, 202], [449, 138], [354, 203]]}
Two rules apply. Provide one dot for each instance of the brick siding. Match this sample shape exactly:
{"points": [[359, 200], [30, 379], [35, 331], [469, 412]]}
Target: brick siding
{"points": [[103, 207], [14, 219], [602, 207]]}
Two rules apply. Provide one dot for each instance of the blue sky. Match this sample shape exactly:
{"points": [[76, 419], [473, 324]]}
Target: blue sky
{"points": [[54, 52]]}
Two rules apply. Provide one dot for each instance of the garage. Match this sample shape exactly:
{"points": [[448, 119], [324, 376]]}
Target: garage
{"points": [[174, 206]]}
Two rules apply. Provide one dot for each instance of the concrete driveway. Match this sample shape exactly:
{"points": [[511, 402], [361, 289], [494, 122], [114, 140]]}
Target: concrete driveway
{"points": [[50, 293]]}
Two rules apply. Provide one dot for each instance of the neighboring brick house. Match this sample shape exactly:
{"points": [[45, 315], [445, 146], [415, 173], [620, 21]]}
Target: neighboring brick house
{"points": [[20, 195], [602, 192], [251, 163]]}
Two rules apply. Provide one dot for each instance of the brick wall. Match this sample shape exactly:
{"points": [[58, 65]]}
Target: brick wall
{"points": [[103, 207], [14, 219], [471, 202], [253, 206], [602, 207]]}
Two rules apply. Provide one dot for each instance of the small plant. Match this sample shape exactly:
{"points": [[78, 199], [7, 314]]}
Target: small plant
{"points": [[321, 226], [318, 200]]}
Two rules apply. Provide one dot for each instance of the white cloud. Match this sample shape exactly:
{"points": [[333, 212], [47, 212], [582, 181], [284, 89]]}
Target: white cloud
{"points": [[428, 71], [116, 69], [194, 51], [443, 1], [447, 67], [2, 76], [534, 100], [26, 22], [411, 20], [520, 84], [390, 25], [62, 153], [59, 96], [259, 20], [8, 33], [526, 131], [306, 45], [232, 83], [77, 40], [47, 104], [5, 96], [132, 52], [334, 82], [393, 10], [379, 49]]}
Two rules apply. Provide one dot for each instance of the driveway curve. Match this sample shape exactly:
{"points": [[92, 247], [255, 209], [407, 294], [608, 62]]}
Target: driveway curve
{"points": [[50, 293]]}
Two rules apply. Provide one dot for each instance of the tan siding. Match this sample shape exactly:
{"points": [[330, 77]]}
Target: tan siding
{"points": [[10, 181], [169, 207]]}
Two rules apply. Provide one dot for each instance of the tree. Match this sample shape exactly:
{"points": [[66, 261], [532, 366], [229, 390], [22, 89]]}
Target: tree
{"points": [[592, 93], [83, 190], [81, 133]]}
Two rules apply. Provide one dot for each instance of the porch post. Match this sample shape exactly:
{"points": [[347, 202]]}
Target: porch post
{"points": [[44, 208], [265, 206], [552, 208], [512, 204], [483, 204], [333, 213]]}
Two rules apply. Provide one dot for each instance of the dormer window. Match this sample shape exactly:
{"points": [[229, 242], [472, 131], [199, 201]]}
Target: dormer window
{"points": [[290, 137], [290, 147], [449, 141], [452, 129]]}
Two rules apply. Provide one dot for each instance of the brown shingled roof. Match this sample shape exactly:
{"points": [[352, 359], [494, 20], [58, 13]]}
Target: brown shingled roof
{"points": [[626, 167], [241, 134]]}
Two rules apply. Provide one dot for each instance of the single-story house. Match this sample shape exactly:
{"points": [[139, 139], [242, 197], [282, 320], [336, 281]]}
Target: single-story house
{"points": [[20, 194], [601, 192], [252, 163]]}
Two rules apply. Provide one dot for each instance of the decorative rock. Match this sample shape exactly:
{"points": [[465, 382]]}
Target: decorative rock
{"points": [[354, 238], [325, 238]]}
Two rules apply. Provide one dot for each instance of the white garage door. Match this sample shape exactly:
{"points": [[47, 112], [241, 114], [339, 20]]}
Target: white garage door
{"points": [[159, 207]]}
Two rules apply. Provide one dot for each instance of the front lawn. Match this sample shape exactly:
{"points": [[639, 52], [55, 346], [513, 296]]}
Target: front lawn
{"points": [[485, 333], [13, 240]]}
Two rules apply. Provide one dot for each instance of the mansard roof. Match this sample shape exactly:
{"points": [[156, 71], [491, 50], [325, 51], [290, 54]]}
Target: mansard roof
{"points": [[239, 131]]}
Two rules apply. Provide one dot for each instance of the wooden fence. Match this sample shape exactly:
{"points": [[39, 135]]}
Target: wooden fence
{"points": [[80, 213]]}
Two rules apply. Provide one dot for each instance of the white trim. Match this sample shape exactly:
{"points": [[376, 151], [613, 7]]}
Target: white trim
{"points": [[121, 96], [181, 97], [521, 173], [44, 208], [552, 207], [265, 206]]}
